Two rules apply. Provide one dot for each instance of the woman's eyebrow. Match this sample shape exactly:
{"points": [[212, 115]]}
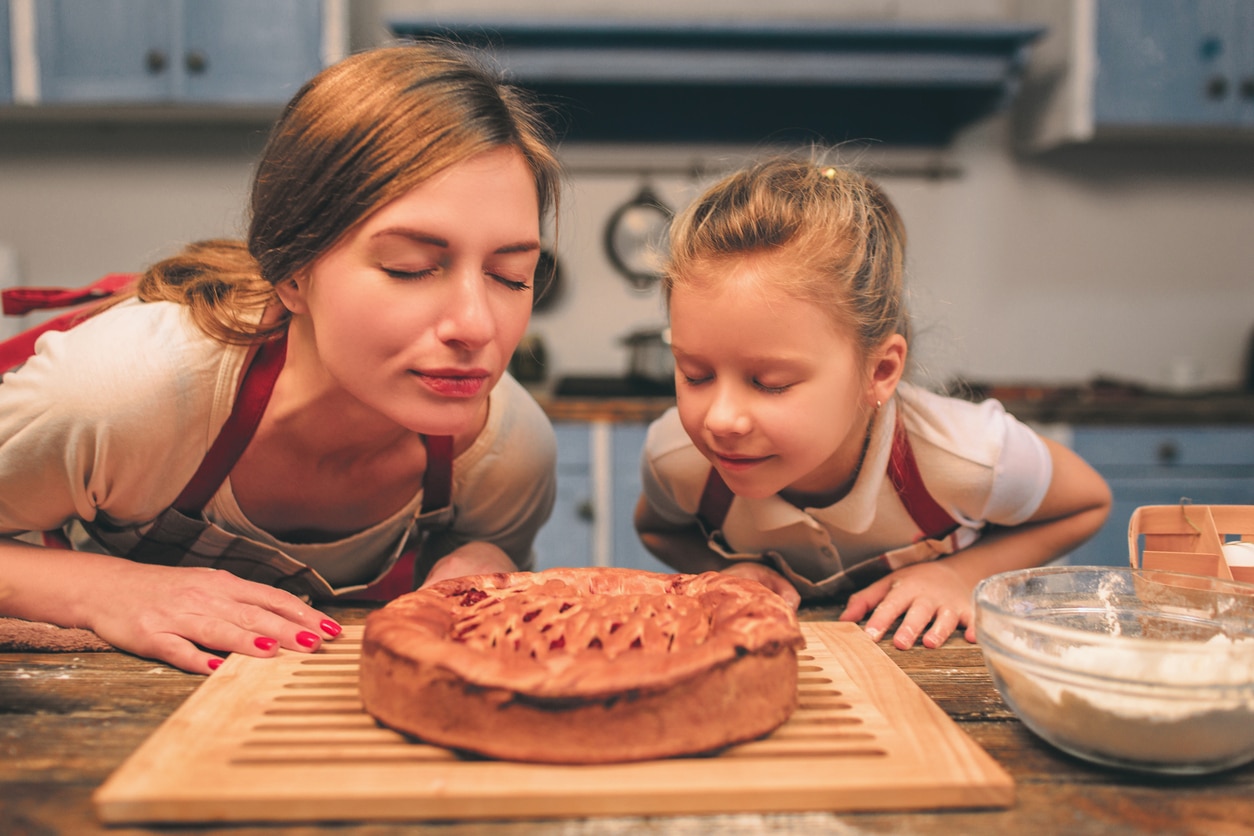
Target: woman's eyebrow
{"points": [[437, 241]]}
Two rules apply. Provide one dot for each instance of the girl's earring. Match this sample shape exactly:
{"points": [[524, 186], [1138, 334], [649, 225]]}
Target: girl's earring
{"points": [[878, 404]]}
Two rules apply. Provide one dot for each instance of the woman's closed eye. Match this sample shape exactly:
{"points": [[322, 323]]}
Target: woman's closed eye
{"points": [[408, 275], [512, 284]]}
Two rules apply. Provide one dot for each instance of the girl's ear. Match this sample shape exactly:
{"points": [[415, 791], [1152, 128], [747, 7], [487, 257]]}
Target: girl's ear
{"points": [[887, 364], [292, 292]]}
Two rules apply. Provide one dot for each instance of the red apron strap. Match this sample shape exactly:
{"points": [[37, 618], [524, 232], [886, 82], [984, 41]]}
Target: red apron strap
{"points": [[716, 500], [238, 430], [16, 301], [933, 520], [19, 300], [437, 482]]}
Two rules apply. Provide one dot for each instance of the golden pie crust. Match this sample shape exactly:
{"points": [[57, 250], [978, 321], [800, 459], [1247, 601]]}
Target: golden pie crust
{"points": [[590, 665]]}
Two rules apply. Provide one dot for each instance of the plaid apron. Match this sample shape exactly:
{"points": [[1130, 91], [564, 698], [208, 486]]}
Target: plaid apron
{"points": [[181, 536], [938, 535]]}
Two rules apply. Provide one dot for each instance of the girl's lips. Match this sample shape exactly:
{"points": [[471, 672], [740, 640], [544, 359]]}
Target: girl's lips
{"points": [[736, 464], [453, 383]]}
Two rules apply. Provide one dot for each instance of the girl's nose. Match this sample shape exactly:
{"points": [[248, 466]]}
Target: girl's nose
{"points": [[467, 316], [726, 415]]}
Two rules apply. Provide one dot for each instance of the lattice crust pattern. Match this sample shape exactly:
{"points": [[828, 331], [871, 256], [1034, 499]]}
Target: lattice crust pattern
{"points": [[584, 632]]}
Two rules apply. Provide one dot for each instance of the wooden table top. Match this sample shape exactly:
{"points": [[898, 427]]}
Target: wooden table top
{"points": [[68, 720]]}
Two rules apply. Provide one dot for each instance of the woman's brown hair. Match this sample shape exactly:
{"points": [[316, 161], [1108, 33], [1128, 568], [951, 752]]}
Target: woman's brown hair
{"points": [[358, 135]]}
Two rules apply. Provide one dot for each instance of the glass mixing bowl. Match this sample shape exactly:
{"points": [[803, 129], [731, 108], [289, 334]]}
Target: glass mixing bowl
{"points": [[1133, 668]]}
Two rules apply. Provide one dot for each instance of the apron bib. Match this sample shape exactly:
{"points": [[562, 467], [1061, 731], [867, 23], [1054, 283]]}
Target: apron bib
{"points": [[939, 534], [181, 536]]}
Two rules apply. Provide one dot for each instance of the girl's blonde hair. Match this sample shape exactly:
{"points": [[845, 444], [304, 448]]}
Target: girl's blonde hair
{"points": [[358, 135], [836, 238]]}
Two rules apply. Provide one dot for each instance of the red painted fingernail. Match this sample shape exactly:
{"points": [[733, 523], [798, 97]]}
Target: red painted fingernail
{"points": [[266, 643], [306, 638], [214, 664], [331, 628]]}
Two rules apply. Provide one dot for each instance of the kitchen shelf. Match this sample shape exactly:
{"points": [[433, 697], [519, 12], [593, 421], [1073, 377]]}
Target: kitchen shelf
{"points": [[753, 81]]}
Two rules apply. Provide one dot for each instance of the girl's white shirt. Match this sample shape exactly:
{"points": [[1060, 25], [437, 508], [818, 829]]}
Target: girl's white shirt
{"points": [[979, 462]]}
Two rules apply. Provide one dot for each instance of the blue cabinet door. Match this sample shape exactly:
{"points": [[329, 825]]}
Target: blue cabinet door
{"points": [[1243, 62], [176, 51], [244, 52], [1169, 62], [106, 51], [629, 552], [6, 55], [566, 539], [1162, 466]]}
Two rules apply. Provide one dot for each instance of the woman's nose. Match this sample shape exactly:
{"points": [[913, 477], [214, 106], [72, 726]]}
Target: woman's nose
{"points": [[467, 316]]}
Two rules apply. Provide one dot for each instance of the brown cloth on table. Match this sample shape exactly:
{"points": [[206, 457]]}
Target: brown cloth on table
{"points": [[17, 635]]}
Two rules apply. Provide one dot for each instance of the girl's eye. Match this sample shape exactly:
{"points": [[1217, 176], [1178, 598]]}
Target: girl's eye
{"points": [[695, 381], [771, 390]]}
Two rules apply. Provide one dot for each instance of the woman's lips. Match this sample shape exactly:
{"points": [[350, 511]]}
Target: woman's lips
{"points": [[453, 383]]}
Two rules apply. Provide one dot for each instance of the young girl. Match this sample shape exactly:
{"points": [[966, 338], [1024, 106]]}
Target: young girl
{"points": [[302, 409], [798, 456]]}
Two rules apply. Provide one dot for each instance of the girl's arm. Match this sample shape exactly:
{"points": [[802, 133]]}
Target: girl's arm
{"points": [[684, 549], [939, 592], [173, 614]]}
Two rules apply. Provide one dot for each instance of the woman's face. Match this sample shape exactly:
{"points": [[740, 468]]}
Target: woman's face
{"points": [[416, 312], [769, 391]]}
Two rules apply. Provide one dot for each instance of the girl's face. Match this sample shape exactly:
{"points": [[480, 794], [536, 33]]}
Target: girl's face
{"points": [[415, 313], [768, 389]]}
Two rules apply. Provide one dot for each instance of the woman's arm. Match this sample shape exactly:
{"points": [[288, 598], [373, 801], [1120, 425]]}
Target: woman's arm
{"points": [[173, 614], [684, 549], [939, 592]]}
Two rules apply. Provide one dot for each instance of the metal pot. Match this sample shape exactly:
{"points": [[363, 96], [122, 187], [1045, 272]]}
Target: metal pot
{"points": [[650, 355]]}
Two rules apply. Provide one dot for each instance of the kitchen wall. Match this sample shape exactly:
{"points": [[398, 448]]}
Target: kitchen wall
{"points": [[1127, 261]]}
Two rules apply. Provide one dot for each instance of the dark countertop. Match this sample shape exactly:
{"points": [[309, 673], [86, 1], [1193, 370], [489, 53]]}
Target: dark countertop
{"points": [[1096, 403]]}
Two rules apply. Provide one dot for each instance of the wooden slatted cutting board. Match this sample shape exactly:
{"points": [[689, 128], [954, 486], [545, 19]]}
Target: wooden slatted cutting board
{"points": [[286, 739]]}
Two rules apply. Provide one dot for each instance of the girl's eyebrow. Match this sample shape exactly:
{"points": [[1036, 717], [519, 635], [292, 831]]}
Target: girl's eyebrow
{"points": [[437, 241]]}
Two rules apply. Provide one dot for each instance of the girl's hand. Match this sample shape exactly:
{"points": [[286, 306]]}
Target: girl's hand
{"points": [[471, 559], [178, 615], [768, 577], [926, 593]]}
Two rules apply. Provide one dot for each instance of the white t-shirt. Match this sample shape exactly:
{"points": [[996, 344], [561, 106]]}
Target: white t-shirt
{"points": [[114, 416], [978, 462]]}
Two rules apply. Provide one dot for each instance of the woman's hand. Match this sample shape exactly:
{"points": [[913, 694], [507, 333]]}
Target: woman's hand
{"points": [[925, 593], [768, 577], [180, 615], [471, 559]]}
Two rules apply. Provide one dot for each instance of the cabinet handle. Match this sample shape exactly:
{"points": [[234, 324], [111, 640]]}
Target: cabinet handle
{"points": [[1168, 452], [197, 62], [1216, 87], [1247, 88], [585, 511], [155, 61]]}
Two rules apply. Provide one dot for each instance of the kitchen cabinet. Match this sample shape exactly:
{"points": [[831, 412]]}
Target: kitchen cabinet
{"points": [[1119, 68], [598, 483], [1162, 465], [567, 538], [177, 52], [6, 55]]}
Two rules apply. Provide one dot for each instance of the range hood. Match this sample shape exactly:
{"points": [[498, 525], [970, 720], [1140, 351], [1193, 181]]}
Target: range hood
{"points": [[740, 81]]}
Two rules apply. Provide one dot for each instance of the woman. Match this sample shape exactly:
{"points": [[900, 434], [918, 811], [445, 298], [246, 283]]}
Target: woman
{"points": [[303, 408]]}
